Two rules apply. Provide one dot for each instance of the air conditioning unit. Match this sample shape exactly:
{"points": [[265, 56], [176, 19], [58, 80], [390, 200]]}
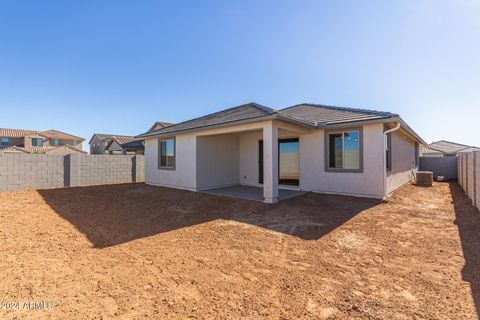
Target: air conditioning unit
{"points": [[424, 178]]}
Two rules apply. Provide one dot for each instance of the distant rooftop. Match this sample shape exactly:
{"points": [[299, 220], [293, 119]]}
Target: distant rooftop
{"points": [[52, 134], [448, 147]]}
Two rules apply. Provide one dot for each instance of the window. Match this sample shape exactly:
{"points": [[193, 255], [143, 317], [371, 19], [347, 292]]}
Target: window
{"points": [[344, 150], [75, 142], [37, 142], [55, 142], [4, 142], [166, 153], [388, 152]]}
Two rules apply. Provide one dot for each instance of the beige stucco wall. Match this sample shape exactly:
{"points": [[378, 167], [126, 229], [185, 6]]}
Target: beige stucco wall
{"points": [[28, 140], [217, 161], [204, 160], [115, 148], [184, 175], [248, 158], [369, 183], [403, 161]]}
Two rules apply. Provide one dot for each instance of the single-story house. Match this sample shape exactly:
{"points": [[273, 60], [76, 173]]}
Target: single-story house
{"points": [[307, 147], [445, 148], [124, 145]]}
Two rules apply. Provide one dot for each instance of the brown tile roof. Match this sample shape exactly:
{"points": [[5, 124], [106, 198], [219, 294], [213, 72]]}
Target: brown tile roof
{"points": [[41, 150], [119, 138], [124, 142], [15, 133], [55, 134], [123, 139], [67, 148], [52, 134]]}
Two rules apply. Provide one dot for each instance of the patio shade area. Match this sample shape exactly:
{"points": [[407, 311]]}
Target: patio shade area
{"points": [[252, 193]]}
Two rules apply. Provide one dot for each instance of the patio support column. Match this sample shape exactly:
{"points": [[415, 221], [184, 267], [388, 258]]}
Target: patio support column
{"points": [[270, 163]]}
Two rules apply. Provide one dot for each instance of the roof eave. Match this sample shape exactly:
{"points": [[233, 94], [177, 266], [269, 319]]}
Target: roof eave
{"points": [[393, 118], [349, 123], [274, 116]]}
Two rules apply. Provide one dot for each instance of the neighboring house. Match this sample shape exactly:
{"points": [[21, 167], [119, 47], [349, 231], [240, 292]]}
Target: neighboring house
{"points": [[32, 141], [308, 147], [124, 145], [445, 148], [98, 143], [117, 144]]}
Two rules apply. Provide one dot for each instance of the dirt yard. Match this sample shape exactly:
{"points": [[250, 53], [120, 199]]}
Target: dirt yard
{"points": [[140, 252]]}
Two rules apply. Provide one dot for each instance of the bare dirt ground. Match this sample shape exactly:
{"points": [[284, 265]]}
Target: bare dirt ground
{"points": [[140, 252]]}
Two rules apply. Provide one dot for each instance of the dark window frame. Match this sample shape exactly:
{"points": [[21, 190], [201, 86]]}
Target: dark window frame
{"points": [[36, 142], [160, 166], [388, 152], [327, 134]]}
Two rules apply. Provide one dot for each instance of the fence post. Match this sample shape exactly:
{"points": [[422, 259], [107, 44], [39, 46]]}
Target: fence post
{"points": [[466, 174], [71, 170], [474, 200], [461, 171], [460, 163]]}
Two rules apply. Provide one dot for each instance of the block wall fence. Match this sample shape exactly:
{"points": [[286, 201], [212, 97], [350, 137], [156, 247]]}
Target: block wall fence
{"points": [[49, 171], [469, 176]]}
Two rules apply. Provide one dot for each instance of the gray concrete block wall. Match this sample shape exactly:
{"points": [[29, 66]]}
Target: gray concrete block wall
{"points": [[106, 169], [469, 167], [48, 171], [471, 172], [31, 171], [476, 197]]}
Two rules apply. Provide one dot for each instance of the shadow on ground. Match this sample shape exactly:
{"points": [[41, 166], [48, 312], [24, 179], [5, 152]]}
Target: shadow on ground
{"points": [[468, 222], [111, 215]]}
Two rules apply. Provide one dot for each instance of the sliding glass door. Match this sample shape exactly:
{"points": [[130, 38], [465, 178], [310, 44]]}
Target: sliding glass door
{"points": [[288, 161]]}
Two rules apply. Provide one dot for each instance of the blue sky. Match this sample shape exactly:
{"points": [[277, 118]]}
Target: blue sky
{"points": [[118, 66]]}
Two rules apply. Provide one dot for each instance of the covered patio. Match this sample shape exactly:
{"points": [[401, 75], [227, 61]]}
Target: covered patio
{"points": [[254, 161]]}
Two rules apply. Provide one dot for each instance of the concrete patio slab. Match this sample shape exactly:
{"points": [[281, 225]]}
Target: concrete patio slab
{"points": [[252, 193]]}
